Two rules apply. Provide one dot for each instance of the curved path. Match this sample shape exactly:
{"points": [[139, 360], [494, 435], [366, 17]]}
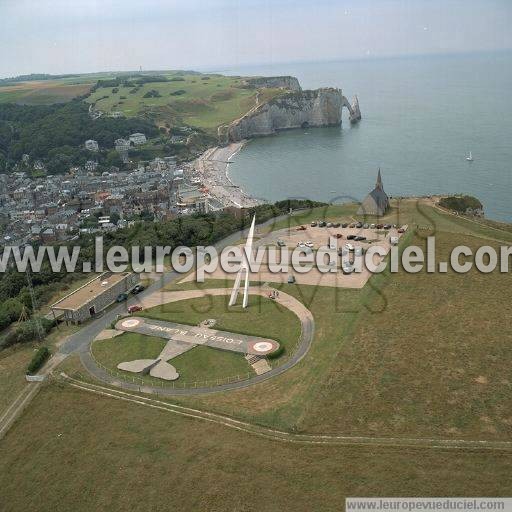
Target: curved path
{"points": [[157, 298]]}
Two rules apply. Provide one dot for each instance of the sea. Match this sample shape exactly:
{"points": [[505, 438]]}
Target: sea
{"points": [[422, 116]]}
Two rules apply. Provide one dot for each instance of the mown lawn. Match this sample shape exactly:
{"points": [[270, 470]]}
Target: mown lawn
{"points": [[264, 317], [203, 364]]}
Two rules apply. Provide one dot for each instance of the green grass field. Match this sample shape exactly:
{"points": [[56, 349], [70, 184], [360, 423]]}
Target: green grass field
{"points": [[77, 451], [203, 101], [421, 355], [13, 366], [43, 92], [203, 364]]}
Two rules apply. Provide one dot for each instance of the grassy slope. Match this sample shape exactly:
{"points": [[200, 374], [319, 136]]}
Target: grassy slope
{"points": [[410, 339], [13, 363], [427, 355], [76, 451], [205, 103]]}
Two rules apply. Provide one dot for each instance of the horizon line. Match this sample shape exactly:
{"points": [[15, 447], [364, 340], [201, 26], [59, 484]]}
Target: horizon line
{"points": [[227, 67]]}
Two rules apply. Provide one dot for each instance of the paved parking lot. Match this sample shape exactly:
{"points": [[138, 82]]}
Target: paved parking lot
{"points": [[319, 237]]}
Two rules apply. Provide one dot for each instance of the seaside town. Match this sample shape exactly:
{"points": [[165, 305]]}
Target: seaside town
{"points": [[60, 207]]}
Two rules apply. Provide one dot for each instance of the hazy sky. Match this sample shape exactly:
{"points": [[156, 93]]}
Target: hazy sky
{"points": [[59, 36]]}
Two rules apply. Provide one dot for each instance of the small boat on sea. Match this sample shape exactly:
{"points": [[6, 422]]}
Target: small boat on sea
{"points": [[470, 157]]}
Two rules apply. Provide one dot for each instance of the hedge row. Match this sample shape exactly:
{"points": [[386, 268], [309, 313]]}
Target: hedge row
{"points": [[38, 360]]}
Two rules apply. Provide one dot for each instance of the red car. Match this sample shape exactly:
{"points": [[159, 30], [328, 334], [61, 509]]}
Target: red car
{"points": [[134, 308]]}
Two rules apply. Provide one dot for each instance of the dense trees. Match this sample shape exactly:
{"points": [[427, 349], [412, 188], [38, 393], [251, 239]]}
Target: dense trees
{"points": [[55, 134]]}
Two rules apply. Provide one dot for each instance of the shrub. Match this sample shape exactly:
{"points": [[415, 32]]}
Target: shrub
{"points": [[278, 353], [152, 94], [179, 92], [38, 360], [461, 204]]}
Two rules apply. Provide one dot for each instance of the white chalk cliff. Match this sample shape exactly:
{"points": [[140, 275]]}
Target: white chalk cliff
{"points": [[291, 109]]}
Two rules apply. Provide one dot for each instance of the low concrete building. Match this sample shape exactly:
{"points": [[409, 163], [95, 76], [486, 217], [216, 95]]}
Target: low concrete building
{"points": [[94, 296]]}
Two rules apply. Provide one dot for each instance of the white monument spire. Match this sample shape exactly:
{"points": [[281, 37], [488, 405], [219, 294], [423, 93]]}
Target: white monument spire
{"points": [[244, 268]]}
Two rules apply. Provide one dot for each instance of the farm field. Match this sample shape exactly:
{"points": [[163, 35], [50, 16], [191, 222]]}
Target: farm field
{"points": [[44, 92]]}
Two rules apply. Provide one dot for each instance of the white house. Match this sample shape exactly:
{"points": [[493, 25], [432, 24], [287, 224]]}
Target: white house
{"points": [[138, 138], [91, 145]]}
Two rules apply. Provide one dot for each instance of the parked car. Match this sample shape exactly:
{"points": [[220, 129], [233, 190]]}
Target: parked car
{"points": [[335, 224], [372, 226], [344, 225], [321, 224], [313, 224], [387, 226], [301, 228], [309, 243], [366, 226], [379, 226], [291, 279], [359, 238], [121, 297], [280, 243], [339, 235], [134, 309], [347, 269], [351, 237], [359, 225], [348, 247], [353, 225], [138, 288], [329, 224]]}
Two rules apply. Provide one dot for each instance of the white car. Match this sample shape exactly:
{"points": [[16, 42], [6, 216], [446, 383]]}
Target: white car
{"points": [[348, 247], [347, 269], [309, 243]]}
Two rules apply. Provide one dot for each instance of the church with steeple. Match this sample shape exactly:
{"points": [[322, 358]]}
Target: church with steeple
{"points": [[376, 202]]}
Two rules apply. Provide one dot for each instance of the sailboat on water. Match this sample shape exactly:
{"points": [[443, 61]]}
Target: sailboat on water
{"points": [[470, 157]]}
